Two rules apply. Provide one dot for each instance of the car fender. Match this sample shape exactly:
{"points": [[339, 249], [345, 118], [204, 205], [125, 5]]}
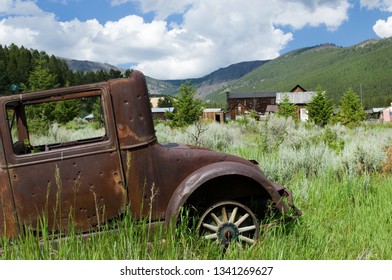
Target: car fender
{"points": [[214, 170]]}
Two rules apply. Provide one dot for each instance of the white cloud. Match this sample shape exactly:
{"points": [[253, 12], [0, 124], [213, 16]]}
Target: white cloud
{"points": [[384, 5], [298, 14], [19, 7], [383, 28], [210, 34], [119, 2], [233, 31], [165, 8]]}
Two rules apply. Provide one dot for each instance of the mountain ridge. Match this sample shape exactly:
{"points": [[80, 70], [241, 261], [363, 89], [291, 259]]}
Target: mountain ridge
{"points": [[363, 67], [86, 65]]}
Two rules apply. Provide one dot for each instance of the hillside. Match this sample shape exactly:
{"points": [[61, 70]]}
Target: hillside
{"points": [[364, 67], [88, 66], [207, 84]]}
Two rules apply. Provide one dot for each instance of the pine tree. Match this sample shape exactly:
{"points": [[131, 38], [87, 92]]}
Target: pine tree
{"points": [[40, 78], [12, 65], [3, 73], [66, 110], [320, 108], [24, 64], [350, 111], [165, 102], [187, 108], [287, 109], [40, 116]]}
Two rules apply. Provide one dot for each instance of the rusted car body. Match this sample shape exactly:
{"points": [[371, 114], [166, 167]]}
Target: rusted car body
{"points": [[98, 177]]}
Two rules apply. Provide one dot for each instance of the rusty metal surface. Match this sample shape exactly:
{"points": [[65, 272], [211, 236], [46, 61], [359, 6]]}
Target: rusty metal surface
{"points": [[89, 188], [132, 111], [127, 169], [8, 220]]}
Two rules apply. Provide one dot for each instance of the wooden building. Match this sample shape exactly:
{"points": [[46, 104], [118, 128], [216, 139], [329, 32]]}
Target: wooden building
{"points": [[246, 102], [214, 115], [243, 103], [386, 114], [159, 113], [300, 99]]}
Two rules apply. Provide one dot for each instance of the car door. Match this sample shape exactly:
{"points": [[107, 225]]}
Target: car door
{"points": [[62, 158]]}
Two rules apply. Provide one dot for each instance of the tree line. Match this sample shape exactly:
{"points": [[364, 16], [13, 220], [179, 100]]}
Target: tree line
{"points": [[18, 64]]}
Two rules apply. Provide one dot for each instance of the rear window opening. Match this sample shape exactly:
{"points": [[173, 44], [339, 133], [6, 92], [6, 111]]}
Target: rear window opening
{"points": [[50, 123]]}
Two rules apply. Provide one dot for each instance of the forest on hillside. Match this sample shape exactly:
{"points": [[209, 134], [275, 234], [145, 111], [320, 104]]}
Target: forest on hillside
{"points": [[365, 68], [18, 63]]}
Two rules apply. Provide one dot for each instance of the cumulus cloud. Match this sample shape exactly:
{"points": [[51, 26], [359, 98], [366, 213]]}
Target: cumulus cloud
{"points": [[313, 13], [383, 28], [19, 8], [206, 35]]}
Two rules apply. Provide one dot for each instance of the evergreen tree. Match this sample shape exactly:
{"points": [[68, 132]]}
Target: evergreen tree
{"points": [[24, 64], [287, 109], [40, 78], [320, 108], [40, 116], [66, 110], [165, 102], [350, 110], [3, 73], [60, 69], [113, 74], [187, 108], [12, 65], [128, 72]]}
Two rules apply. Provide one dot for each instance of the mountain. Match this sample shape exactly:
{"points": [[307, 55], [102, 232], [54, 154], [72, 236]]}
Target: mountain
{"points": [[207, 84], [87, 66], [366, 68]]}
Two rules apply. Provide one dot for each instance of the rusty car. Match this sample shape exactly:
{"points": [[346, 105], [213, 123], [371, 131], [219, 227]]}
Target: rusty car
{"points": [[118, 165]]}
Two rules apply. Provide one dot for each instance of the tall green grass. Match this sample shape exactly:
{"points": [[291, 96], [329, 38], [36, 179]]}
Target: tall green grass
{"points": [[336, 177]]}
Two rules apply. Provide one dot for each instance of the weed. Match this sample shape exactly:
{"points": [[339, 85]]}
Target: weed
{"points": [[387, 164]]}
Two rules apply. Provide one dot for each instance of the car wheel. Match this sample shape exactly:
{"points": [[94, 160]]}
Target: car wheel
{"points": [[229, 221]]}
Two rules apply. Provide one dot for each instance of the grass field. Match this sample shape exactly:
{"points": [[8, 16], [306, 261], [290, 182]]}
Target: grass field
{"points": [[341, 180]]}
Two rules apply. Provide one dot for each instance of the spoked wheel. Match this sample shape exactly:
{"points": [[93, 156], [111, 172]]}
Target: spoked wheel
{"points": [[229, 221]]}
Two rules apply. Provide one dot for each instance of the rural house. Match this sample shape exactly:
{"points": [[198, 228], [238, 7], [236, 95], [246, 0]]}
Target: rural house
{"points": [[300, 97], [209, 114], [386, 114], [160, 113], [213, 115], [374, 113], [266, 102], [242, 103]]}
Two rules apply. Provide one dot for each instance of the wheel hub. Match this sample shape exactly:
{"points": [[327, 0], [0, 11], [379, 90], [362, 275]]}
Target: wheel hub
{"points": [[228, 232]]}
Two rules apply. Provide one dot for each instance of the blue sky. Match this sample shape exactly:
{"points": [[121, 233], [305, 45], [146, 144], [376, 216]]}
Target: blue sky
{"points": [[170, 39]]}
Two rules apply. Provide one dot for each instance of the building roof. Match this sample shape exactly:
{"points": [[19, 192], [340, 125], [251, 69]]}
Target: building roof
{"points": [[374, 110], [295, 97], [297, 88], [212, 110], [272, 108], [162, 110], [90, 116], [239, 95]]}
